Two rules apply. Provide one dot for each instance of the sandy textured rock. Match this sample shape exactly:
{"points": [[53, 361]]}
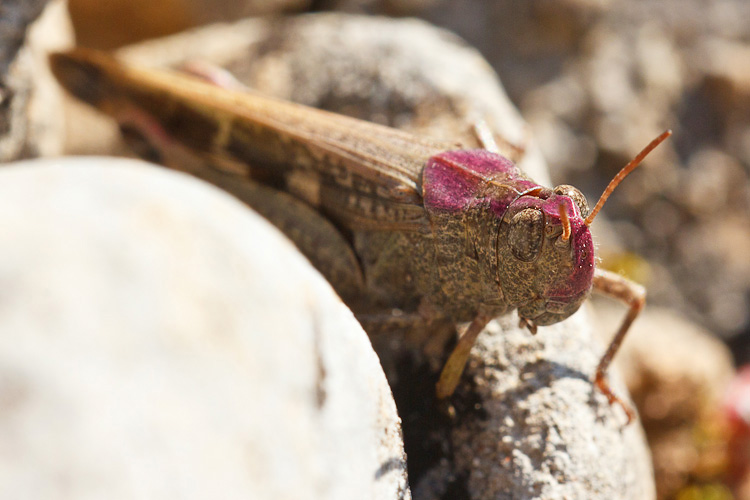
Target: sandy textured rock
{"points": [[532, 426], [30, 103], [526, 422], [160, 340]]}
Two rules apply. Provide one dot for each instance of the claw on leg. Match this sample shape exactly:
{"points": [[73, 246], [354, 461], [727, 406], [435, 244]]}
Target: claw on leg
{"points": [[634, 296], [528, 324], [454, 367], [603, 385]]}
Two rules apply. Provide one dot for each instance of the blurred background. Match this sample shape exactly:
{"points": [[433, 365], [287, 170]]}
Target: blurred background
{"points": [[596, 80]]}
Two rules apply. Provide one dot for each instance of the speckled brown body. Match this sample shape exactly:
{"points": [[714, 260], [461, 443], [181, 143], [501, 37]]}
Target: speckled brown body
{"points": [[424, 221]]}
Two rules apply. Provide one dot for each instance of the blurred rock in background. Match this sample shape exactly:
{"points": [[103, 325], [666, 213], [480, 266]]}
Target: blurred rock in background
{"points": [[31, 119]]}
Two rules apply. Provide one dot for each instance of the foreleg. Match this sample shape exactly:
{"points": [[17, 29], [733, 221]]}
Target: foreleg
{"points": [[634, 296]]}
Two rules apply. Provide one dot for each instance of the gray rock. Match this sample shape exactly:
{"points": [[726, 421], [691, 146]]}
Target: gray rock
{"points": [[30, 104], [160, 340], [532, 426], [16, 16]]}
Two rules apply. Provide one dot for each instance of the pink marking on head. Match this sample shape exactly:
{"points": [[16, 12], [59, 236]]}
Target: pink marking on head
{"points": [[580, 279], [575, 282]]}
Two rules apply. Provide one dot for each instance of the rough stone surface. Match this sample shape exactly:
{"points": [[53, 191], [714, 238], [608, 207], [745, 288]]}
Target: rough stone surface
{"points": [[15, 18], [159, 340], [532, 426], [526, 422], [30, 104]]}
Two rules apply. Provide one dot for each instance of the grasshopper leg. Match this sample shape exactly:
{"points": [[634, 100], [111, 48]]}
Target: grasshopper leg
{"points": [[528, 324], [489, 141], [389, 320], [214, 74], [485, 136], [634, 296], [454, 367]]}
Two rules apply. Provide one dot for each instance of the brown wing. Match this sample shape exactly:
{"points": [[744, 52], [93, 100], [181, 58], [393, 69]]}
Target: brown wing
{"points": [[362, 174]]}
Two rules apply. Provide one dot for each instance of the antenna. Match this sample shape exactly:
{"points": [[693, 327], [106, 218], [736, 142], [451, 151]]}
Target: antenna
{"points": [[624, 173]]}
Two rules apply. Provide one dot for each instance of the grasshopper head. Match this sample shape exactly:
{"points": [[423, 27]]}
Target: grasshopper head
{"points": [[545, 254]]}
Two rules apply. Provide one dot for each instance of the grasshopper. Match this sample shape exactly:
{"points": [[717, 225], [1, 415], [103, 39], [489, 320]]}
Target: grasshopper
{"points": [[392, 220]]}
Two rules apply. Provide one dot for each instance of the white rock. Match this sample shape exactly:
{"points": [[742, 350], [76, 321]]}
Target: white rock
{"points": [[159, 340]]}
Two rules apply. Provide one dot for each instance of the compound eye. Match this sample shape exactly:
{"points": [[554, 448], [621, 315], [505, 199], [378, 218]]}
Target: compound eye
{"points": [[526, 234], [575, 195]]}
